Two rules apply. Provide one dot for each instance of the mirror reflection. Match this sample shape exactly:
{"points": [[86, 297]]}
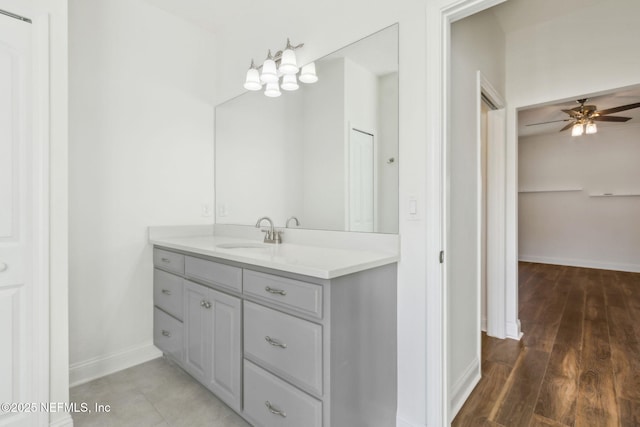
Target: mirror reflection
{"points": [[326, 154]]}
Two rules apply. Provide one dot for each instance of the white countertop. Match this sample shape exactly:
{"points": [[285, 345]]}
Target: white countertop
{"points": [[321, 262]]}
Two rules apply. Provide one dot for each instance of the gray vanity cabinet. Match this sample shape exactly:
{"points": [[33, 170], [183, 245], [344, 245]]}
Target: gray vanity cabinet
{"points": [[282, 349], [212, 322]]}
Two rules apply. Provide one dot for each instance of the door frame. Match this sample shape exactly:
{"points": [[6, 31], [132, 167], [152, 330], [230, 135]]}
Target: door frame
{"points": [[40, 158], [439, 17], [494, 248]]}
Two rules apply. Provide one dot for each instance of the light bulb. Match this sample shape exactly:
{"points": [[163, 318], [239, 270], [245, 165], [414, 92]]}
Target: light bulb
{"points": [[577, 129], [272, 90], [269, 73], [252, 82], [591, 128], [308, 73], [288, 63], [289, 82]]}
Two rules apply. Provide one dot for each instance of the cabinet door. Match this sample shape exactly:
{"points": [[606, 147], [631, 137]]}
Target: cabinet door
{"points": [[197, 330], [224, 374]]}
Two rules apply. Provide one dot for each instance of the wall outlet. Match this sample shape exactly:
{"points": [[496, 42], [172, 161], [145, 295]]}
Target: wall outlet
{"points": [[222, 210], [206, 210]]}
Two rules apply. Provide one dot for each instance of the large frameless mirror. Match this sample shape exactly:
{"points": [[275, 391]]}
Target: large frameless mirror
{"points": [[326, 154]]}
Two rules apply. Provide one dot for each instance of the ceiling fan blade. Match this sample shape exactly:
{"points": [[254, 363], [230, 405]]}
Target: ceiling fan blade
{"points": [[618, 109], [569, 126], [552, 121], [611, 119], [573, 113]]}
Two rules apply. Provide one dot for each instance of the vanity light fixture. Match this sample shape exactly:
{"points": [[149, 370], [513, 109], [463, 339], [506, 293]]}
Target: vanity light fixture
{"points": [[282, 64]]}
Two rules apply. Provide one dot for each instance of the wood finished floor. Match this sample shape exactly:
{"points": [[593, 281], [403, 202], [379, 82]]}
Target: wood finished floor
{"points": [[578, 363]]}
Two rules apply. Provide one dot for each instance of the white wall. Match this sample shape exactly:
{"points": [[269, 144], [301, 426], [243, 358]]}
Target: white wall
{"points": [[477, 43], [140, 154], [252, 35], [571, 228], [259, 158], [547, 62]]}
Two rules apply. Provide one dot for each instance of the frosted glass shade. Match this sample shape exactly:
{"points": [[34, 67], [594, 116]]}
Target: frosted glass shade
{"points": [[288, 63], [269, 74], [289, 82], [577, 130], [272, 90], [252, 82], [308, 73], [591, 128]]}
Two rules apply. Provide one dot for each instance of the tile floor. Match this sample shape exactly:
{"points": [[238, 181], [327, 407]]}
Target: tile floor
{"points": [[155, 393]]}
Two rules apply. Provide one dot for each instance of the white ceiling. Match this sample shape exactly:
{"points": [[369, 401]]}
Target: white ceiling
{"points": [[516, 14]]}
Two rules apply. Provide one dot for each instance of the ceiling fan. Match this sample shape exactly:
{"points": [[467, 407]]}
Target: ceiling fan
{"points": [[582, 118]]}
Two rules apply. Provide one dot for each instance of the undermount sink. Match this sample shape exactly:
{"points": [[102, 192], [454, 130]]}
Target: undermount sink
{"points": [[242, 246]]}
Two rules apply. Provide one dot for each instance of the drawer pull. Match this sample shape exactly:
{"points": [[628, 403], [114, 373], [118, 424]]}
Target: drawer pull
{"points": [[275, 291], [274, 343], [274, 410], [166, 260], [166, 333], [166, 292], [205, 304]]}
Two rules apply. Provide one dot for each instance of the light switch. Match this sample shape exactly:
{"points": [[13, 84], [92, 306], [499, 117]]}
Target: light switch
{"points": [[413, 207]]}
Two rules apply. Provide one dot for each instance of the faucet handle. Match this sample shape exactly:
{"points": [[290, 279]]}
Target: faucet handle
{"points": [[268, 237]]}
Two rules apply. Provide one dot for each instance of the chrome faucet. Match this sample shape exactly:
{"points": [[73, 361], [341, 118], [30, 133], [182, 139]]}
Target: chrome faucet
{"points": [[271, 235], [294, 219]]}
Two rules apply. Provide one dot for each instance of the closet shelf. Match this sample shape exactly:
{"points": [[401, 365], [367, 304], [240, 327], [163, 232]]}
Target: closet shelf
{"points": [[548, 190], [614, 195]]}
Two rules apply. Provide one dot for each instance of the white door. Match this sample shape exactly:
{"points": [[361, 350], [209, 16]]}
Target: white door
{"points": [[361, 181], [17, 351]]}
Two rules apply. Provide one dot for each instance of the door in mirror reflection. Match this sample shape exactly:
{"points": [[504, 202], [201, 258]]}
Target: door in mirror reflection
{"points": [[361, 181]]}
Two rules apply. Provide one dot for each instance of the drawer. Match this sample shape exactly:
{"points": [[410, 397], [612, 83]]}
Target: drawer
{"points": [[271, 402], [167, 292], [167, 334], [169, 261], [214, 273], [294, 294], [286, 345]]}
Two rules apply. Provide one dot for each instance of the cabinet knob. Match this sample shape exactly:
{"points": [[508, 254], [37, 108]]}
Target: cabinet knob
{"points": [[205, 304], [275, 291], [166, 292], [274, 410], [166, 260], [166, 333], [274, 343]]}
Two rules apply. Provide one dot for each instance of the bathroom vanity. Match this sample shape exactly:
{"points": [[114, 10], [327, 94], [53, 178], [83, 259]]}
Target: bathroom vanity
{"points": [[286, 335]]}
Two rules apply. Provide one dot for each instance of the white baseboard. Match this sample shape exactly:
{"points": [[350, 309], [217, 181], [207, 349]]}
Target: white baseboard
{"points": [[463, 387], [64, 421], [82, 372], [586, 263], [400, 422], [513, 330]]}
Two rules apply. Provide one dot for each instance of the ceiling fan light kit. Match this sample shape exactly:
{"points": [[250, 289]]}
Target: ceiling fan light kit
{"points": [[582, 118]]}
